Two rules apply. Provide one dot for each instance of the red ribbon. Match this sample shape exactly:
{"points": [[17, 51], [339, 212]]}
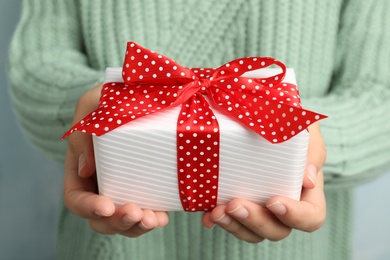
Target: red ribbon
{"points": [[153, 82]]}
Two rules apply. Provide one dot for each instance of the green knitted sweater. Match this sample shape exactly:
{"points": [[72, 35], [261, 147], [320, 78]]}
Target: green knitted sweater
{"points": [[340, 51]]}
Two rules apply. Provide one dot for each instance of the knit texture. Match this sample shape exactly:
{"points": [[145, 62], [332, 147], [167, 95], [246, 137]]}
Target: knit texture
{"points": [[340, 52]]}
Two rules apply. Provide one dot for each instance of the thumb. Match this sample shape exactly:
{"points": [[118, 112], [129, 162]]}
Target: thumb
{"points": [[316, 156], [308, 214], [80, 144], [81, 148], [85, 157]]}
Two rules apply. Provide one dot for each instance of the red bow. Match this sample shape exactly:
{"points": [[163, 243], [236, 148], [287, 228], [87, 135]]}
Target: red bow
{"points": [[153, 82]]}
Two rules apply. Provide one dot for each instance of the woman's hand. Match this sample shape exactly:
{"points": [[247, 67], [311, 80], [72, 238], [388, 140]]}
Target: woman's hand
{"points": [[253, 223], [80, 186]]}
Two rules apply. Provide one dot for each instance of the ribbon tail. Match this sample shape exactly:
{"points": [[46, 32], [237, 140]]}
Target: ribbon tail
{"points": [[197, 155], [90, 125]]}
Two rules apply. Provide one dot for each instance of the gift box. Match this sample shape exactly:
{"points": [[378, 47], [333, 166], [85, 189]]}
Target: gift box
{"points": [[209, 148]]}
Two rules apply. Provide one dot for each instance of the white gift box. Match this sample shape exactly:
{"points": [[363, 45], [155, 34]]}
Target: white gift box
{"points": [[136, 162]]}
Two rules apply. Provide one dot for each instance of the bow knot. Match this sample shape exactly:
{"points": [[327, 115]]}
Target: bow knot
{"points": [[204, 83]]}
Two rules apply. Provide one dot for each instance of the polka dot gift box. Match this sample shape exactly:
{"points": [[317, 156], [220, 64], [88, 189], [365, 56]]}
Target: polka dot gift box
{"points": [[172, 138]]}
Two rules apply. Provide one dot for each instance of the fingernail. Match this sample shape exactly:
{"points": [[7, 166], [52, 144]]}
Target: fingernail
{"points": [[239, 212], [312, 173], [210, 227], [143, 226], [82, 162], [224, 220], [128, 220], [277, 208], [101, 213]]}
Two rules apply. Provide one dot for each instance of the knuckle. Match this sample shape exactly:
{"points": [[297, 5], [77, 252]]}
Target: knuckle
{"points": [[99, 226], [90, 99], [323, 152], [70, 201], [245, 236], [317, 224], [131, 233], [95, 227], [254, 240], [259, 224], [72, 142], [235, 202], [163, 221], [234, 229], [83, 99], [281, 235], [136, 231]]}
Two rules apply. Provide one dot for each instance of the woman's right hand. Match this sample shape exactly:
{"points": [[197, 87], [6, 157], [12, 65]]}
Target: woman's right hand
{"points": [[80, 185]]}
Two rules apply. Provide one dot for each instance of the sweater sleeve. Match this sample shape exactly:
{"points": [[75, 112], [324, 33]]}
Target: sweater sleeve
{"points": [[48, 71], [357, 132]]}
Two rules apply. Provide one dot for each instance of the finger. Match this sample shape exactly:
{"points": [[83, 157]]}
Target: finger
{"points": [[148, 222], [81, 148], [257, 219], [128, 220], [124, 218], [127, 216], [207, 221], [80, 194], [162, 218], [219, 216], [308, 214], [80, 143], [316, 156], [310, 177]]}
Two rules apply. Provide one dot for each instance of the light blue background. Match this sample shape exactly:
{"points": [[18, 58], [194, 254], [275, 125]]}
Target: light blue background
{"points": [[30, 186]]}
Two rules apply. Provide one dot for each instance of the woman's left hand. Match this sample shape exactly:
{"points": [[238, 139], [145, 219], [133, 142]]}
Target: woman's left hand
{"points": [[253, 223]]}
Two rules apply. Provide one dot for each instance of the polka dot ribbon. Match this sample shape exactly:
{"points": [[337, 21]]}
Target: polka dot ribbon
{"points": [[153, 82]]}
